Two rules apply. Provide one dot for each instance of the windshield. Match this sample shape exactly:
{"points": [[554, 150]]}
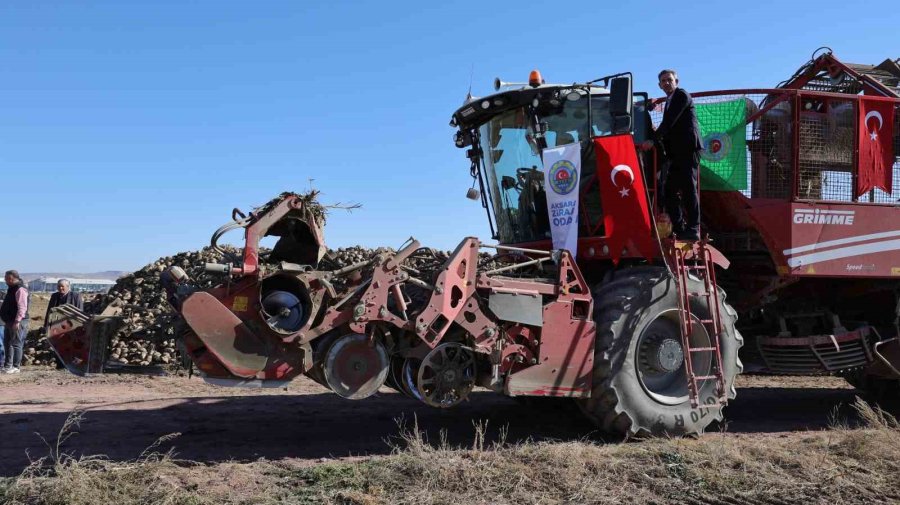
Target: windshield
{"points": [[513, 166]]}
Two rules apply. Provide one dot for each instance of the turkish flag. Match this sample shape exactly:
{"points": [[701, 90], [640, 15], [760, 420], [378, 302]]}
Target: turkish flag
{"points": [[875, 143], [626, 214]]}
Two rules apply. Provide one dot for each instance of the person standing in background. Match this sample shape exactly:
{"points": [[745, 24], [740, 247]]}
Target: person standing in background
{"points": [[64, 295], [14, 314]]}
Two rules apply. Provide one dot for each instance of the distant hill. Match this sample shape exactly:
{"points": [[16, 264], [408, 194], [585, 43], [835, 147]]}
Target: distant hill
{"points": [[107, 274]]}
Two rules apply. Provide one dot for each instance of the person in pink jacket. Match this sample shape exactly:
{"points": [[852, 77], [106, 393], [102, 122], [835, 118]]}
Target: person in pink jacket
{"points": [[14, 314]]}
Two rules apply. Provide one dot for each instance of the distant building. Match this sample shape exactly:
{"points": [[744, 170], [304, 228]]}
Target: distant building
{"points": [[48, 284]]}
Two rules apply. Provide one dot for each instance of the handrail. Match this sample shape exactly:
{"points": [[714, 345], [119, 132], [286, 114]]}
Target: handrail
{"points": [[792, 148]]}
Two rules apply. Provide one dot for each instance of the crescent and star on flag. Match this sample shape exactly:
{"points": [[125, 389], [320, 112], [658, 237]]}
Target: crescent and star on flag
{"points": [[622, 168], [876, 115]]}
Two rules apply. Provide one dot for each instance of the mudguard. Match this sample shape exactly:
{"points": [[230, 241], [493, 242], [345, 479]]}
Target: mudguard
{"points": [[239, 350]]}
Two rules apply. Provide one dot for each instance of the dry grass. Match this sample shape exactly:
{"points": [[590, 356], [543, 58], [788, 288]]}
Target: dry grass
{"points": [[844, 465], [60, 478]]}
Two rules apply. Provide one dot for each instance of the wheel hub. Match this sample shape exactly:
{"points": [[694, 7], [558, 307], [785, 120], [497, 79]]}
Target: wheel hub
{"points": [[661, 358], [446, 376], [283, 311], [669, 356]]}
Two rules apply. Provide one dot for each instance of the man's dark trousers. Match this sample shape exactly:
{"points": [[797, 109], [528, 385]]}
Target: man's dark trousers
{"points": [[15, 341], [682, 178]]}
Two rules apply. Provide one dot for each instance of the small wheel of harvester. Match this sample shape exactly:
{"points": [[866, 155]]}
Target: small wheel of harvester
{"points": [[355, 367], [446, 375], [640, 384]]}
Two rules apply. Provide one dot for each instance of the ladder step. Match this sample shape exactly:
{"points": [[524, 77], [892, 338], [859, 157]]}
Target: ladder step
{"points": [[702, 321], [684, 268]]}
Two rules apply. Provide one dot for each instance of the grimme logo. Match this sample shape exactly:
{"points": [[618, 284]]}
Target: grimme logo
{"points": [[817, 216], [563, 177]]}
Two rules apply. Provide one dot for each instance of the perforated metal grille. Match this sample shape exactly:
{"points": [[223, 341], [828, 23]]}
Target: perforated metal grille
{"points": [[826, 154], [827, 144], [768, 140]]}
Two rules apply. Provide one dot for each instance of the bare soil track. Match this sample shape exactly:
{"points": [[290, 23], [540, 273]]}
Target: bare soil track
{"points": [[124, 414]]}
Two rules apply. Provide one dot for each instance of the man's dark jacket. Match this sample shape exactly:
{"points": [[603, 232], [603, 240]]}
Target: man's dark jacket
{"points": [[679, 132], [10, 306], [72, 298]]}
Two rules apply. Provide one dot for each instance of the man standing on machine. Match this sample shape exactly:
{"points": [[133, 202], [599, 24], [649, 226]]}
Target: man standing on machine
{"points": [[679, 137]]}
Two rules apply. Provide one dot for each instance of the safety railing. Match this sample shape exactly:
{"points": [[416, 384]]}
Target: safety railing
{"points": [[784, 144]]}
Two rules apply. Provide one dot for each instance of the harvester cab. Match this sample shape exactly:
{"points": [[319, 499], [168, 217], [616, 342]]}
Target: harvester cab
{"points": [[506, 132], [678, 363]]}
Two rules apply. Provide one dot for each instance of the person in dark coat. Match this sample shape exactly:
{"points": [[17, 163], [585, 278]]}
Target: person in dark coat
{"points": [[63, 295], [679, 137], [14, 313]]}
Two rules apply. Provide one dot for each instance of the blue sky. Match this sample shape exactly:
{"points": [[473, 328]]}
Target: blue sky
{"points": [[129, 130]]}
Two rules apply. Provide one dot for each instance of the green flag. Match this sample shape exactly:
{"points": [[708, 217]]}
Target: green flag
{"points": [[723, 161]]}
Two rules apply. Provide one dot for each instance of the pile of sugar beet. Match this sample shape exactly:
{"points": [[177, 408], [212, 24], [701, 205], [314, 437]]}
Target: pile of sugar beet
{"points": [[147, 337]]}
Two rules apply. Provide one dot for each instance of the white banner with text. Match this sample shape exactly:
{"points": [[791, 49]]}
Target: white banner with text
{"points": [[562, 172]]}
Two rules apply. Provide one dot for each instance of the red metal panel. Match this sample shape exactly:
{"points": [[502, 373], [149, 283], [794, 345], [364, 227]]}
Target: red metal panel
{"points": [[242, 301], [565, 359], [204, 360], [730, 210], [831, 240], [260, 227], [72, 345], [242, 352], [454, 286], [473, 320]]}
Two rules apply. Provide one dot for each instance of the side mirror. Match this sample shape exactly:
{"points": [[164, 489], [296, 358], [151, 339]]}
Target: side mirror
{"points": [[620, 103]]}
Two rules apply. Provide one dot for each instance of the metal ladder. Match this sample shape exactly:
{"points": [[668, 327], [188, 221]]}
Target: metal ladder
{"points": [[695, 259]]}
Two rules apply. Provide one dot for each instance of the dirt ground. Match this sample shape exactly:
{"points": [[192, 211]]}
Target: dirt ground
{"points": [[304, 423], [38, 308]]}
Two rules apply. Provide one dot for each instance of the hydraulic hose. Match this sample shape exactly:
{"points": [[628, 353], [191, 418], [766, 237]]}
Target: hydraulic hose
{"points": [[222, 230]]}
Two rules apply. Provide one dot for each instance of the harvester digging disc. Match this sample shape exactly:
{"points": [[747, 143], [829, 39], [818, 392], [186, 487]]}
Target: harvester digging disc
{"points": [[355, 367], [283, 311], [446, 375], [409, 378], [395, 374]]}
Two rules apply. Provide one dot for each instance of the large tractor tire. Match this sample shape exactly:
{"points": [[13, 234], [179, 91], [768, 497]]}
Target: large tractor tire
{"points": [[640, 385]]}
